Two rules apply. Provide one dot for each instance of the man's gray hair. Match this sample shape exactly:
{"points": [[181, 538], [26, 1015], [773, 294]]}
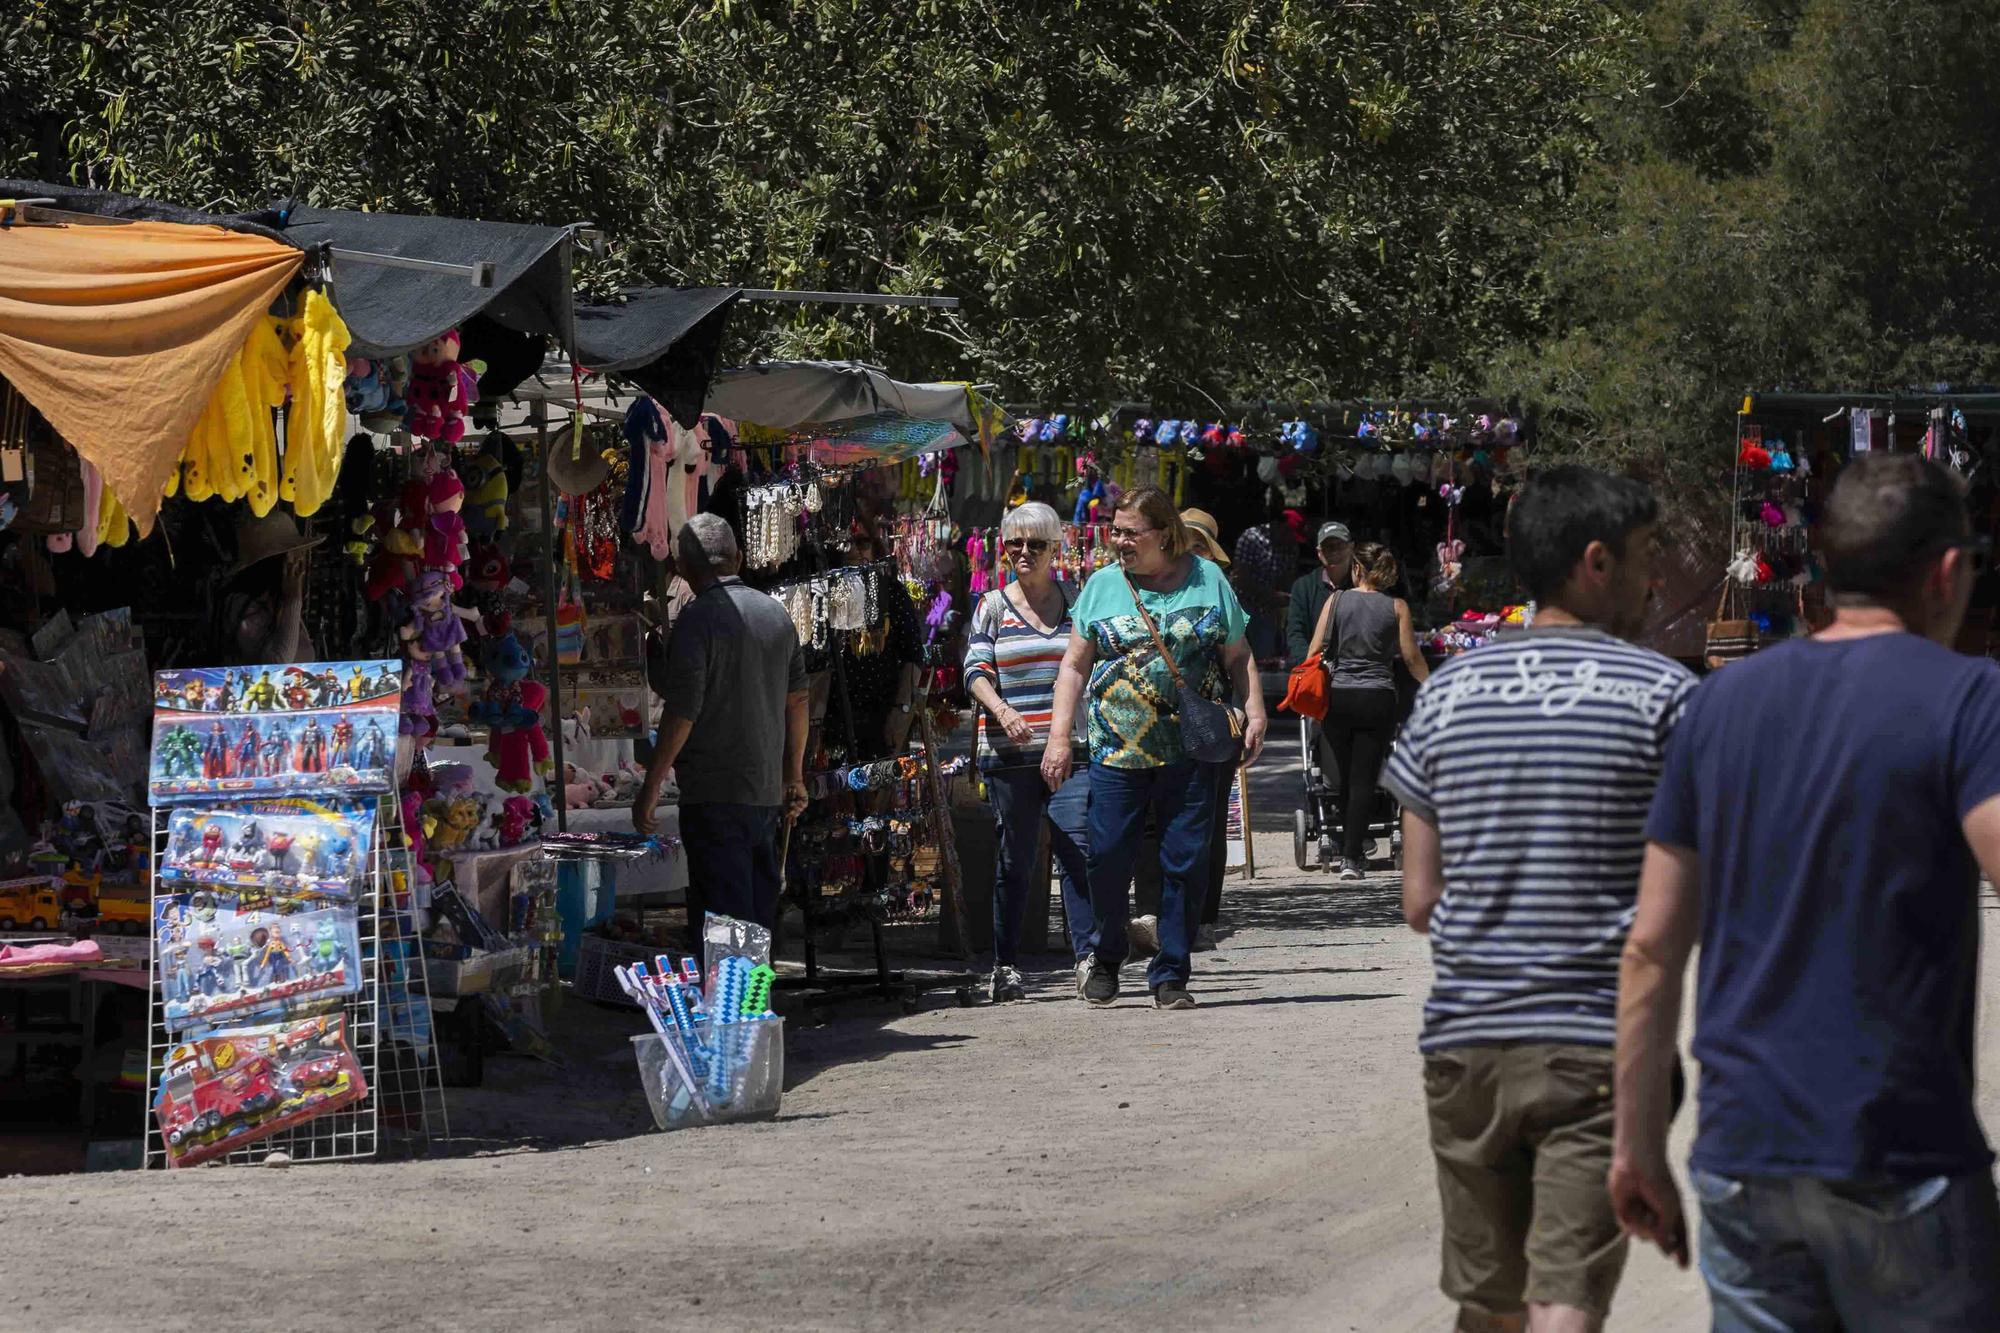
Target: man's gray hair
{"points": [[707, 546]]}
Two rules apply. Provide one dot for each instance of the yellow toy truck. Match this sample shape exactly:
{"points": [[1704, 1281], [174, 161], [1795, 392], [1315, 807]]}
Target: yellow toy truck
{"points": [[32, 903]]}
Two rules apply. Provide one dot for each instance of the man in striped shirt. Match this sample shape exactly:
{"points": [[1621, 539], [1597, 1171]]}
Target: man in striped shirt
{"points": [[1526, 772]]}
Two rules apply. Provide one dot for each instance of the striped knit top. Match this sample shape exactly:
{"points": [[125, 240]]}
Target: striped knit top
{"points": [[1536, 758], [1021, 661]]}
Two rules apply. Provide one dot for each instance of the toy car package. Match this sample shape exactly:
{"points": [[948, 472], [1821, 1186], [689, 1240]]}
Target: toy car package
{"points": [[227, 1089], [317, 728], [221, 960], [297, 848]]}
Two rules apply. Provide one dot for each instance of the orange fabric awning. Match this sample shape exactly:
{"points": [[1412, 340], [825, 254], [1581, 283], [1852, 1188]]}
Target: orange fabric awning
{"points": [[118, 334]]}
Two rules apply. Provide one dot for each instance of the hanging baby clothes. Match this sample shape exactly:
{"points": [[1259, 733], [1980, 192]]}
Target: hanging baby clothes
{"points": [[644, 427], [93, 496], [234, 450], [315, 428], [655, 530], [671, 495]]}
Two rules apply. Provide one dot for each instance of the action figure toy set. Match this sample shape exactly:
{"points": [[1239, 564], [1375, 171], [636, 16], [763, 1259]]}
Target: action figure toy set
{"points": [[296, 848], [273, 731], [226, 1089], [220, 960]]}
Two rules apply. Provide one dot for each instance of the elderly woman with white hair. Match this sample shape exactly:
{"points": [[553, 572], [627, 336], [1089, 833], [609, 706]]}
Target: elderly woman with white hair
{"points": [[1019, 632]]}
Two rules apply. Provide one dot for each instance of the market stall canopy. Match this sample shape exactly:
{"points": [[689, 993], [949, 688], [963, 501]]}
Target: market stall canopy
{"points": [[857, 412], [664, 339], [390, 310], [119, 334]]}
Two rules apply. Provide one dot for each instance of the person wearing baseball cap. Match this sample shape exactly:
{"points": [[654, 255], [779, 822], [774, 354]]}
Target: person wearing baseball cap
{"points": [[1309, 593]]}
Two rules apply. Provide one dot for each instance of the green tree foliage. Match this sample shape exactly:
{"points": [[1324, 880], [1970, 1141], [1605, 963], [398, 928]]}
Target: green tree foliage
{"points": [[1168, 197], [1802, 197]]}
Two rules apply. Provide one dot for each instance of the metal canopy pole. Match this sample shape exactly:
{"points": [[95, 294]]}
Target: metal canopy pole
{"points": [[849, 298], [540, 413]]}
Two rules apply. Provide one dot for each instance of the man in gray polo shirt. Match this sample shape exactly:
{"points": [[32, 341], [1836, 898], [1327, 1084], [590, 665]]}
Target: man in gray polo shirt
{"points": [[732, 727]]}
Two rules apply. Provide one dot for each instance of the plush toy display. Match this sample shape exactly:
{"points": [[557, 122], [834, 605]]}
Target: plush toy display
{"points": [[511, 711], [442, 390]]}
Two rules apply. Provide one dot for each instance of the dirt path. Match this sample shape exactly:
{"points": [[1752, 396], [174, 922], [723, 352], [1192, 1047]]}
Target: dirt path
{"points": [[1258, 1163]]}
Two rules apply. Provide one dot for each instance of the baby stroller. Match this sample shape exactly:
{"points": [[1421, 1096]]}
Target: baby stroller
{"points": [[1316, 827]]}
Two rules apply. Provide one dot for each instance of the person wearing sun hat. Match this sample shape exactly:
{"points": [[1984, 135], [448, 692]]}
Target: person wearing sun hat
{"points": [[1206, 534], [258, 607]]}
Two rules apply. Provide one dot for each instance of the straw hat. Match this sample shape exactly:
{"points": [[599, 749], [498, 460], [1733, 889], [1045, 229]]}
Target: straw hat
{"points": [[1207, 534], [576, 469], [276, 533]]}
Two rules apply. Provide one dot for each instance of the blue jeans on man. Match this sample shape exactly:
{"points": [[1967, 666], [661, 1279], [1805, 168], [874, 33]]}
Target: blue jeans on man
{"points": [[1022, 802], [732, 859], [1919, 1255], [1181, 800]]}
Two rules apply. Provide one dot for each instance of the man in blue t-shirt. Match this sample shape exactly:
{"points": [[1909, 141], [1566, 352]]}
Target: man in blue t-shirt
{"points": [[1525, 774], [1825, 812]]}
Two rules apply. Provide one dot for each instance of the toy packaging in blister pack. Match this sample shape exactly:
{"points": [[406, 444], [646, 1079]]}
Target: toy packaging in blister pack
{"points": [[320, 728], [222, 961], [296, 848], [227, 1089]]}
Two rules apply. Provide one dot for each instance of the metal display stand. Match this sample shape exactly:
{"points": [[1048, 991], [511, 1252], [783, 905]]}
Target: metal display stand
{"points": [[404, 1105]]}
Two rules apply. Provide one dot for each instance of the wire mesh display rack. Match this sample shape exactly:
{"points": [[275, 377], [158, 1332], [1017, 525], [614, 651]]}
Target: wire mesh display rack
{"points": [[388, 1025]]}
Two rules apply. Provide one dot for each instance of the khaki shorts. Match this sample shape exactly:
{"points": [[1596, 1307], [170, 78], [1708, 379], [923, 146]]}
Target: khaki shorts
{"points": [[1522, 1136]]}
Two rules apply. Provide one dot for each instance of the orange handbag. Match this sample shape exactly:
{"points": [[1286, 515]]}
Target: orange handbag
{"points": [[1306, 690]]}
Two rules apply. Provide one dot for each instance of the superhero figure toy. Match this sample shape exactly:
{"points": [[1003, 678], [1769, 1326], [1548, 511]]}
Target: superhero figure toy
{"points": [[342, 736], [276, 756], [248, 746], [312, 747], [215, 756], [374, 749]]}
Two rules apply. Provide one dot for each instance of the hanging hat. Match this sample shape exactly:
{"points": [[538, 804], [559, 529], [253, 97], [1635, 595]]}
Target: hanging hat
{"points": [[1206, 533], [276, 533], [576, 469]]}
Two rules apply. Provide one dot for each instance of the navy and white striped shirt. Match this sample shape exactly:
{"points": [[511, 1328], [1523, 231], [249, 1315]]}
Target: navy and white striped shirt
{"points": [[1536, 756]]}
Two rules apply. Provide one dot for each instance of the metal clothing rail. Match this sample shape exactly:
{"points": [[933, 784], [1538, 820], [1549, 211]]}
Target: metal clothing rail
{"points": [[848, 298]]}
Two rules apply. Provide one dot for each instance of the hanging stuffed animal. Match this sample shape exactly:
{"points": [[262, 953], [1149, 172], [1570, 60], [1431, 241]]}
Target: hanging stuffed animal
{"points": [[445, 545], [1093, 501], [434, 632], [485, 478], [511, 711], [1754, 457], [438, 395]]}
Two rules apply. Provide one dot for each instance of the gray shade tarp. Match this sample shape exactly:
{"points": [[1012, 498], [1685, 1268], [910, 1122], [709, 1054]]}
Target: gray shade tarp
{"points": [[783, 394], [666, 340], [394, 310]]}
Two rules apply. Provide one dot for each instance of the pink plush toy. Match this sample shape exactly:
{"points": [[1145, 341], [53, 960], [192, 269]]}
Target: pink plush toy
{"points": [[446, 548], [517, 813], [579, 789], [441, 390]]}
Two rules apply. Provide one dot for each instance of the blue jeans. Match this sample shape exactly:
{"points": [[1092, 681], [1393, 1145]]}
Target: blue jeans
{"points": [[732, 856], [1181, 799], [1786, 1254], [1021, 801]]}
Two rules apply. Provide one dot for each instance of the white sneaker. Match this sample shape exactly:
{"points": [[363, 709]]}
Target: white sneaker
{"points": [[1084, 967]]}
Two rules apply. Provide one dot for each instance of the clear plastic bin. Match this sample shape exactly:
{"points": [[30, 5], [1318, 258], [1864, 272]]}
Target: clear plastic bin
{"points": [[713, 1080]]}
